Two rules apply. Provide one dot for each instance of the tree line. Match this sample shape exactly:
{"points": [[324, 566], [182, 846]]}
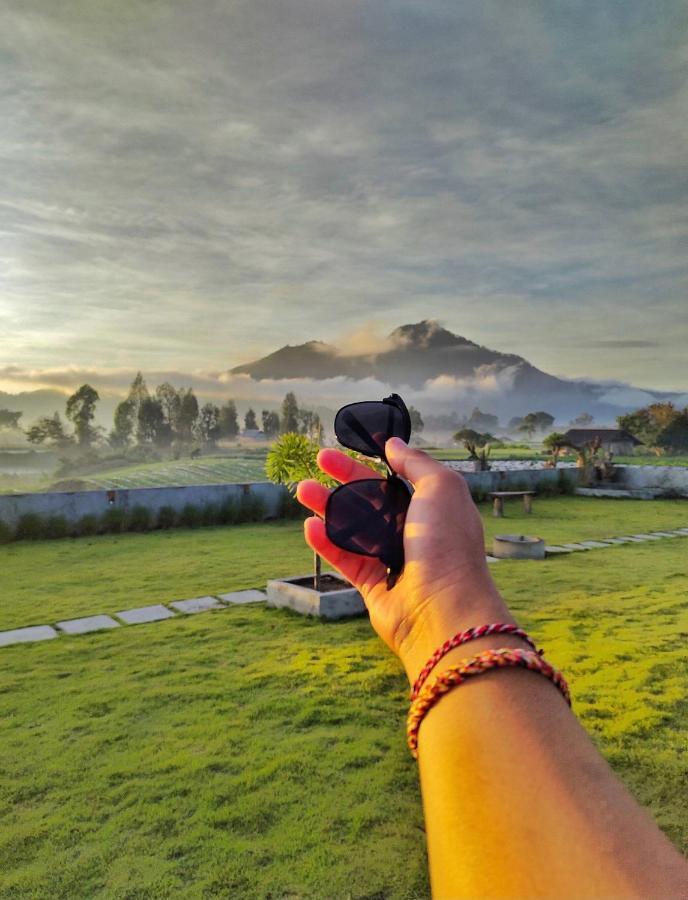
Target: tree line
{"points": [[162, 418]]}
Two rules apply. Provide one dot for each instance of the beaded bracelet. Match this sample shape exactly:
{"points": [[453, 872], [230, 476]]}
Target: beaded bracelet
{"points": [[468, 668], [471, 634]]}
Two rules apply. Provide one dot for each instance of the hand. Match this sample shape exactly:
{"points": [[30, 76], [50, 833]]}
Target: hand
{"points": [[445, 586]]}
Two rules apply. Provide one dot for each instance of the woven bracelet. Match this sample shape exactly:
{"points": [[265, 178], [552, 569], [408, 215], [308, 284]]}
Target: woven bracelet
{"points": [[471, 634], [468, 668]]}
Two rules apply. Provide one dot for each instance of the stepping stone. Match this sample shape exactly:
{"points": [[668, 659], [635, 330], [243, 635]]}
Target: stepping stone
{"points": [[25, 635], [197, 604], [647, 537], [243, 597], [88, 624], [619, 541], [552, 551], [574, 547], [491, 559], [145, 614], [679, 533], [632, 540], [663, 533], [593, 544]]}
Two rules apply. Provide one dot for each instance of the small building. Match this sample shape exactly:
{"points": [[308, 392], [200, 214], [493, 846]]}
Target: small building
{"points": [[612, 440], [254, 434]]}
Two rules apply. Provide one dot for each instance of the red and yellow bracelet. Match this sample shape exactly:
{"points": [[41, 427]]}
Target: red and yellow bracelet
{"points": [[468, 668], [470, 634]]}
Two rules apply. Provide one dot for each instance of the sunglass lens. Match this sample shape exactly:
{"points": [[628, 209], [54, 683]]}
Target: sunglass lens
{"points": [[366, 426], [368, 517]]}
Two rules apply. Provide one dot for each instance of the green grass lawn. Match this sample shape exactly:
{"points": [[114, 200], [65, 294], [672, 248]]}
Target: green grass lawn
{"points": [[251, 752], [47, 581]]}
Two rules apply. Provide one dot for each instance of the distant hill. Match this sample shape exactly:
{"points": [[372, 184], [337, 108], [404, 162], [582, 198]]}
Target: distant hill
{"points": [[507, 384]]}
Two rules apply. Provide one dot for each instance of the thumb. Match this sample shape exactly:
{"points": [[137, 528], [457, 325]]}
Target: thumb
{"points": [[411, 464]]}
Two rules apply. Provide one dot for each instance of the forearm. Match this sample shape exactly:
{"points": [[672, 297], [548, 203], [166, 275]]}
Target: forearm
{"points": [[518, 802]]}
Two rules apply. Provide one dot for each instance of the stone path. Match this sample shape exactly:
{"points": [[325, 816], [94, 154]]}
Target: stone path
{"points": [[179, 608], [142, 614]]}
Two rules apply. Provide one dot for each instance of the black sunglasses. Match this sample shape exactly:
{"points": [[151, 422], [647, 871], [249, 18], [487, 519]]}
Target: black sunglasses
{"points": [[367, 516]]}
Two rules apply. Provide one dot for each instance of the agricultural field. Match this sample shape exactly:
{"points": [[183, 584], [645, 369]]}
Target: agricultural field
{"points": [[252, 752]]}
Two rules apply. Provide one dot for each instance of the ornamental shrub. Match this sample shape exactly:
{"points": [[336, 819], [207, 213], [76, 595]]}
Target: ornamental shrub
{"points": [[6, 533], [113, 520], [228, 511], [139, 519], [190, 516], [210, 514], [86, 525], [55, 527], [167, 517], [30, 527]]}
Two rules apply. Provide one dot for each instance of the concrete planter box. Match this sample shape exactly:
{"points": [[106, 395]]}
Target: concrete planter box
{"points": [[332, 603], [518, 546]]}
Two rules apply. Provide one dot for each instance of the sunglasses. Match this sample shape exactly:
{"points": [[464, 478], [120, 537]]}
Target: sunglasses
{"points": [[368, 516]]}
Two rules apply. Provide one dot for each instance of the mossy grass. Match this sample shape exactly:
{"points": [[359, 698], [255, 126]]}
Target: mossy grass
{"points": [[111, 572], [251, 752]]}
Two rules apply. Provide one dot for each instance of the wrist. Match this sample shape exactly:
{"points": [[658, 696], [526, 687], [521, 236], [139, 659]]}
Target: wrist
{"points": [[443, 619]]}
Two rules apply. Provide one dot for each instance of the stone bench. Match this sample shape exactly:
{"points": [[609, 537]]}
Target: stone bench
{"points": [[498, 498]]}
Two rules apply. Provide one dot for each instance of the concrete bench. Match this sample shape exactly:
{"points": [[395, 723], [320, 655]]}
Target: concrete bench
{"points": [[499, 496]]}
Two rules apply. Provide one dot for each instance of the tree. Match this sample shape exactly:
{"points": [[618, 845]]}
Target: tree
{"points": [[290, 414], [49, 430], [129, 412], [171, 404], [583, 420], [515, 423], [120, 436], [250, 423], [310, 425], [648, 422], [271, 423], [481, 421], [555, 444], [674, 437], [417, 423], [9, 420], [151, 426], [228, 420], [209, 424], [80, 410], [536, 421], [468, 434], [292, 458], [188, 414]]}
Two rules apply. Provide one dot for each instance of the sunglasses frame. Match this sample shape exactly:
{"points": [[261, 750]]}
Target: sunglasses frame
{"points": [[394, 562]]}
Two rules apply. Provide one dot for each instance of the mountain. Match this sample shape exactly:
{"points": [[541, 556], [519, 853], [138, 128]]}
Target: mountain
{"points": [[415, 354]]}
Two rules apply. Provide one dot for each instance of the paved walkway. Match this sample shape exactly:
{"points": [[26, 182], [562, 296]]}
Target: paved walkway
{"points": [[174, 608]]}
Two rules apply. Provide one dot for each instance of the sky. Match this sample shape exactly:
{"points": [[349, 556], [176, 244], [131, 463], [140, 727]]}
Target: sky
{"points": [[188, 186]]}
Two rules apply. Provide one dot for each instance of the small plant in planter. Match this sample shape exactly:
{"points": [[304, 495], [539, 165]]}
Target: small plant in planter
{"points": [[292, 459]]}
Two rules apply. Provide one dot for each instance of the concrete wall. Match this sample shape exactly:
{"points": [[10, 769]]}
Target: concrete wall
{"points": [[671, 479], [520, 479], [75, 504]]}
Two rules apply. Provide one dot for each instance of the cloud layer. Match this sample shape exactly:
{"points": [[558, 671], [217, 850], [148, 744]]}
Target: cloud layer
{"points": [[190, 186]]}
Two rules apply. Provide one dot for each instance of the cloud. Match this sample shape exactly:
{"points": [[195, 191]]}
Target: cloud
{"points": [[192, 187]]}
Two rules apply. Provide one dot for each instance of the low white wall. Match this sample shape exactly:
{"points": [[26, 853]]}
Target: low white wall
{"points": [[75, 504], [672, 479]]}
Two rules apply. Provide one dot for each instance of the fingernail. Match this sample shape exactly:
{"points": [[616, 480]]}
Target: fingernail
{"points": [[396, 443]]}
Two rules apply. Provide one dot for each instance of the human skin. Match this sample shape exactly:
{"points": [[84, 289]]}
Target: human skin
{"points": [[518, 802]]}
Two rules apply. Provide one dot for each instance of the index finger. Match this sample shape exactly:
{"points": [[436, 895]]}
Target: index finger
{"points": [[342, 467]]}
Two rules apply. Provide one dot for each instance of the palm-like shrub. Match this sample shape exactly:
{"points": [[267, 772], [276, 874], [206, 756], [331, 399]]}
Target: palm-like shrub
{"points": [[293, 458]]}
